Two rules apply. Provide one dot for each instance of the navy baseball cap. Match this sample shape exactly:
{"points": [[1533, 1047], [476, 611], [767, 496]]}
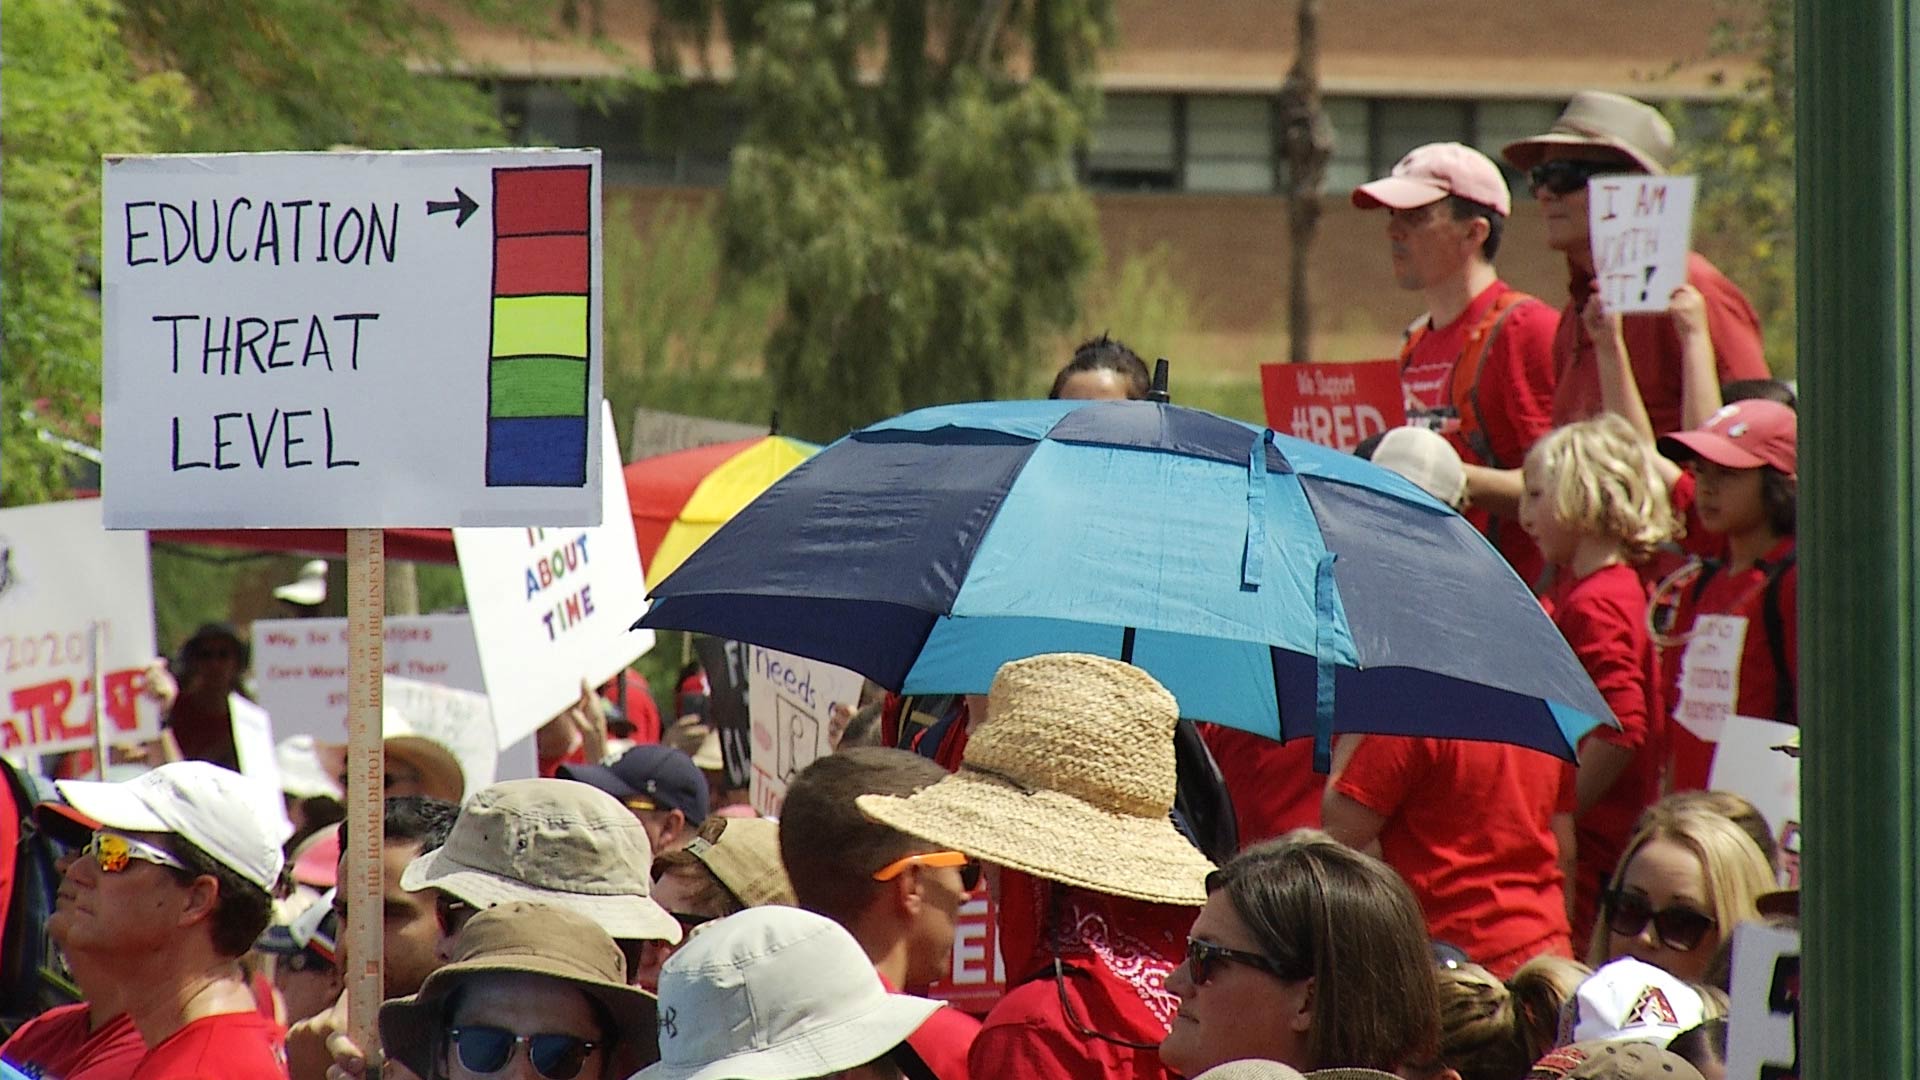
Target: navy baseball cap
{"points": [[649, 778]]}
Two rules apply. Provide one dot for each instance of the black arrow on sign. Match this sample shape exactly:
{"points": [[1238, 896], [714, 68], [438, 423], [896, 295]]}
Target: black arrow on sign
{"points": [[461, 201]]}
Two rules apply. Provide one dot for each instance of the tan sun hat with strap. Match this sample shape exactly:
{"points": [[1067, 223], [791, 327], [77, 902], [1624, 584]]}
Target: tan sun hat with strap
{"points": [[1071, 779]]}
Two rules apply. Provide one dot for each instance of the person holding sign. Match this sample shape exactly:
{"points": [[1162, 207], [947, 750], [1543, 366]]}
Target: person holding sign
{"points": [[1478, 366], [1602, 134]]}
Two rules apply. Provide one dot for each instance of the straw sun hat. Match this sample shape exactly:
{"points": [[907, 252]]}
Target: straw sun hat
{"points": [[1071, 780]]}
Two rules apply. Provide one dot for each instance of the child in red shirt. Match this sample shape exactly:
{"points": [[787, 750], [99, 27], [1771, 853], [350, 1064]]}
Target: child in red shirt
{"points": [[1728, 628], [1595, 505]]}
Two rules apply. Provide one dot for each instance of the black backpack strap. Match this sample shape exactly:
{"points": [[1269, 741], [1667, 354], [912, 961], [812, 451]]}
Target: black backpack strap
{"points": [[1773, 619], [1708, 568]]}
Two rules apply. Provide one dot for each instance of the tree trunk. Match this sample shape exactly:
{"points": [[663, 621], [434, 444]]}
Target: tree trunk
{"points": [[1307, 143]]}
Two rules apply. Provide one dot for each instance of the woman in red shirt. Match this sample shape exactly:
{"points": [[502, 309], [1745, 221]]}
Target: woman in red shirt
{"points": [[1595, 506]]}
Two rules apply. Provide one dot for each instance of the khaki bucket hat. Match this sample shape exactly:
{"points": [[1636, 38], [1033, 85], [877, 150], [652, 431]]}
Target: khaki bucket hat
{"points": [[526, 939], [552, 842], [1608, 121], [1072, 780]]}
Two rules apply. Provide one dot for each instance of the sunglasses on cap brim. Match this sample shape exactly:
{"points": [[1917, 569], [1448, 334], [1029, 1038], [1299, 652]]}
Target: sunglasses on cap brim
{"points": [[113, 853]]}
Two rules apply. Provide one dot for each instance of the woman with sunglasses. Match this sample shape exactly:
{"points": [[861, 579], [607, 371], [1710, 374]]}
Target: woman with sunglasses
{"points": [[1310, 954], [533, 993], [1687, 879]]}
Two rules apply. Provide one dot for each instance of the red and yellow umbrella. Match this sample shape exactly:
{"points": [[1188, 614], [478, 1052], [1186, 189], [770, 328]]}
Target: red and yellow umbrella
{"points": [[679, 499]]}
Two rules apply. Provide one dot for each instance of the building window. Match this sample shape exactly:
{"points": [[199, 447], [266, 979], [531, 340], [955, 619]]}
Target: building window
{"points": [[1230, 144], [1350, 166], [1399, 125], [1135, 147], [1498, 123]]}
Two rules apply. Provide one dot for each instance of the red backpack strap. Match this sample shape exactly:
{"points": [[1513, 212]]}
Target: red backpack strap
{"points": [[1473, 359]]}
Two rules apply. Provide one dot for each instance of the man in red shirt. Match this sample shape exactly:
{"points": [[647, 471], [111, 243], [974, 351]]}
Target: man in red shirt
{"points": [[895, 894], [1478, 365], [1603, 134], [1471, 827], [173, 889]]}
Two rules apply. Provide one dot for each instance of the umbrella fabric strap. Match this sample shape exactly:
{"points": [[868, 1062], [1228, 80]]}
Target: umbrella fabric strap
{"points": [[1253, 562], [1021, 786], [1324, 642]]}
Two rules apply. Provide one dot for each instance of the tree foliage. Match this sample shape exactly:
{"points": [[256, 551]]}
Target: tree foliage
{"points": [[928, 236], [1744, 160]]}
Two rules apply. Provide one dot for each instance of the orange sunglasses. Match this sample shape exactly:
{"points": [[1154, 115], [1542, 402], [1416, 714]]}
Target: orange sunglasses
{"points": [[969, 869]]}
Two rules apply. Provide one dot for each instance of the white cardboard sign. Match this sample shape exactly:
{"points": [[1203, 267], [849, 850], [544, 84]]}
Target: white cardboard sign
{"points": [[459, 720], [1763, 1033], [1641, 229], [342, 340], [61, 572], [788, 699], [300, 666], [1746, 763], [554, 606]]}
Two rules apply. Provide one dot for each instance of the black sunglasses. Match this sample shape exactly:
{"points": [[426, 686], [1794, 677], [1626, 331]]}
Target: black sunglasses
{"points": [[1678, 928], [1204, 959], [488, 1049], [1564, 176]]}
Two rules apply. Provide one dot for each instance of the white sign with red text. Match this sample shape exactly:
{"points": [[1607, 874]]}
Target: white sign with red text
{"points": [[61, 572], [300, 666], [978, 978], [1641, 229]]}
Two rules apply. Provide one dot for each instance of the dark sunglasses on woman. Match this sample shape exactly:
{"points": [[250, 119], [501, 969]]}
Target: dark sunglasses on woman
{"points": [[1204, 959], [485, 1049], [1678, 928]]}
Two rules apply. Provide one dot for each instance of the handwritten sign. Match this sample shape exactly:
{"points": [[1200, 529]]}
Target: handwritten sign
{"points": [[788, 698], [352, 339], [60, 573], [1746, 763], [554, 606], [1641, 229], [1763, 1033], [300, 666], [1336, 405], [978, 978], [1710, 674]]}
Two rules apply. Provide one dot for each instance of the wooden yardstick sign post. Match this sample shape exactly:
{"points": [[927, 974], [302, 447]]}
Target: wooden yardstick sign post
{"points": [[358, 341]]}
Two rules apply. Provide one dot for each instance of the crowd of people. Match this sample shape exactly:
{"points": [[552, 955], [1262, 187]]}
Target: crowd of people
{"points": [[1433, 909]]}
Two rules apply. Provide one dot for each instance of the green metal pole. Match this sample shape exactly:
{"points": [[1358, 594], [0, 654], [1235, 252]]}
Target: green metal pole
{"points": [[1860, 545]]}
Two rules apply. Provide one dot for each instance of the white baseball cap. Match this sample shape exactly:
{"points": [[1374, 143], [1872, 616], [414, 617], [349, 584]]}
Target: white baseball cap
{"points": [[216, 810], [1632, 1001], [1426, 458], [775, 993]]}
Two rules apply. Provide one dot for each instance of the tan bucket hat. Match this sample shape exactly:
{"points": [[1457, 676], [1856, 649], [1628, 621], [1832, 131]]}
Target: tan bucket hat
{"points": [[526, 939], [746, 859], [1609, 121], [1071, 780], [554, 842]]}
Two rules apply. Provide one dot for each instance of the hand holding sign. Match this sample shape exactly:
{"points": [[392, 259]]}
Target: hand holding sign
{"points": [[1640, 228]]}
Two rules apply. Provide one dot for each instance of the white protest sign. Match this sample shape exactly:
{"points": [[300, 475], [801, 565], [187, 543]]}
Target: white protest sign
{"points": [[1763, 1026], [300, 666], [352, 340], [788, 699], [1710, 674], [456, 719], [553, 606], [253, 746], [1641, 230], [1746, 763], [60, 573]]}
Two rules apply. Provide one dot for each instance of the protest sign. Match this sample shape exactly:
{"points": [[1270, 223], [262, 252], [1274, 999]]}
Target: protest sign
{"points": [[979, 975], [459, 720], [1746, 763], [552, 607], [1336, 405], [725, 664], [61, 573], [788, 699], [1763, 1026], [326, 340], [1641, 230], [300, 666], [1710, 674]]}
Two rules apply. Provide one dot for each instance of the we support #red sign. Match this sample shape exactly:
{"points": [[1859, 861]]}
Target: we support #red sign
{"points": [[1335, 405]]}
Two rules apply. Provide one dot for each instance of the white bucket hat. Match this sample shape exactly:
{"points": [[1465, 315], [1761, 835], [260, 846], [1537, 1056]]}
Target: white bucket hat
{"points": [[550, 842], [216, 810], [776, 993]]}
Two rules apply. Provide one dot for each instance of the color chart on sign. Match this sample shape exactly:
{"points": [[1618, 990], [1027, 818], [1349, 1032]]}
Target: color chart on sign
{"points": [[537, 370]]}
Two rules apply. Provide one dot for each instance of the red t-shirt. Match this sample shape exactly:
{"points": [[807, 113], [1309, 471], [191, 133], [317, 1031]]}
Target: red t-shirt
{"points": [[1653, 347], [1470, 827], [1603, 616], [57, 1046], [1273, 785], [1028, 1036], [229, 1046], [1515, 389], [943, 1040], [1740, 597]]}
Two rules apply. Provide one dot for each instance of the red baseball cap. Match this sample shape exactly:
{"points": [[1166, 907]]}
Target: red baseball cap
{"points": [[1744, 435], [1432, 172]]}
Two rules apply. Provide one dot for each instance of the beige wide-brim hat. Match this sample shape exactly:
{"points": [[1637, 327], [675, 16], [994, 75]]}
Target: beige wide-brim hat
{"points": [[1597, 119], [1072, 780], [526, 939]]}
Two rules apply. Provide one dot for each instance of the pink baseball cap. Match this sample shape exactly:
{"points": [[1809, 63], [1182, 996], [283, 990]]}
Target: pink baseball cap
{"points": [[1744, 435], [1432, 172]]}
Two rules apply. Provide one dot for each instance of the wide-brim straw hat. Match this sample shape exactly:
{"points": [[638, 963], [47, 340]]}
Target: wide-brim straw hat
{"points": [[1600, 120], [527, 939], [1071, 779]]}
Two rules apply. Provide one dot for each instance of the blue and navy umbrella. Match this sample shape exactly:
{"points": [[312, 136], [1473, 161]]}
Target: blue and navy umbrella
{"points": [[1272, 585]]}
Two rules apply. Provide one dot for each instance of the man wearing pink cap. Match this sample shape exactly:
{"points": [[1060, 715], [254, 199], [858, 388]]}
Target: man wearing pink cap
{"points": [[1478, 366]]}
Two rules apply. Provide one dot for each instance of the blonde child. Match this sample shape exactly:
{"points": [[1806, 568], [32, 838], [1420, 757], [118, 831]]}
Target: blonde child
{"points": [[1596, 507]]}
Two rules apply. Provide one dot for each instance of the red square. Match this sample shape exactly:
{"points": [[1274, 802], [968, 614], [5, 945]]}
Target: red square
{"points": [[545, 199], [539, 265]]}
